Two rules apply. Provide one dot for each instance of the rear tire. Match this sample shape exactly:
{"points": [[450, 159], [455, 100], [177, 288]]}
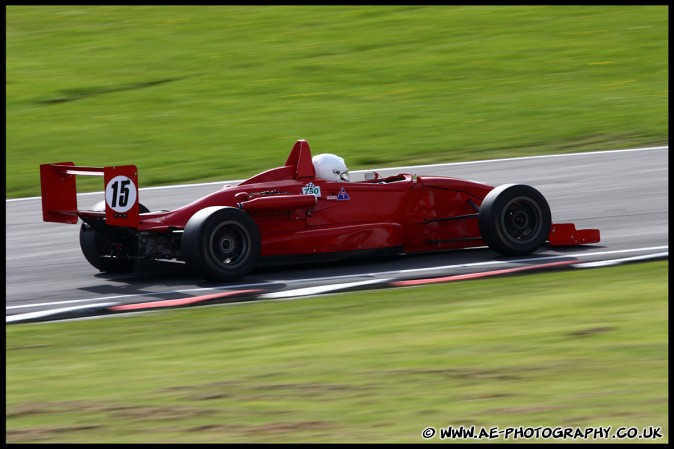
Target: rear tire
{"points": [[221, 243], [514, 219], [94, 245]]}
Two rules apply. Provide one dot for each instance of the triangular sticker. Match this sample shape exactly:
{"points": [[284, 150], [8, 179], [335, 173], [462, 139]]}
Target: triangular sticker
{"points": [[343, 195]]}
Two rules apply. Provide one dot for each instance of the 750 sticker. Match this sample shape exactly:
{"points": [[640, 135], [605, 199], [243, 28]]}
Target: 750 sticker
{"points": [[311, 189]]}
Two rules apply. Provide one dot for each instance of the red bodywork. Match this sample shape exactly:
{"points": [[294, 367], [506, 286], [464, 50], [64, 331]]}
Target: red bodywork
{"points": [[299, 214]]}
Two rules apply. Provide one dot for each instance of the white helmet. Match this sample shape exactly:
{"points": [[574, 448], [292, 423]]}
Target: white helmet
{"points": [[330, 167]]}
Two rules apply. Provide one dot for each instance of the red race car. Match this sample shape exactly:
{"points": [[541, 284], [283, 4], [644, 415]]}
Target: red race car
{"points": [[307, 207]]}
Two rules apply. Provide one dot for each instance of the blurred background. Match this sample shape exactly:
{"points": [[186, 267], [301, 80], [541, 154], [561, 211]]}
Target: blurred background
{"points": [[199, 93]]}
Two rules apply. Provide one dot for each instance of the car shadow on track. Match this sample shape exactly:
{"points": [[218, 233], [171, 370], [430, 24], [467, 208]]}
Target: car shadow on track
{"points": [[175, 277]]}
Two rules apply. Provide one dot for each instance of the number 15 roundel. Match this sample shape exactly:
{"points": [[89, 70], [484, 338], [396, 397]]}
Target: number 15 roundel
{"points": [[121, 195]]}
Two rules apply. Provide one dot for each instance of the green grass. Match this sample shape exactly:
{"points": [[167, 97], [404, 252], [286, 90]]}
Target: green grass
{"points": [[198, 93], [573, 348]]}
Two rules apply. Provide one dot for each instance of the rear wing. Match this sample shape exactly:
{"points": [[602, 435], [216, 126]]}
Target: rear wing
{"points": [[59, 193]]}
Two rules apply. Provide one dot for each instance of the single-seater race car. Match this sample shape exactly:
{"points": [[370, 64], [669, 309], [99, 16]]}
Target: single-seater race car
{"points": [[304, 209]]}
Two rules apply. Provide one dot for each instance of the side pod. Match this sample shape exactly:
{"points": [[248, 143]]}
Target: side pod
{"points": [[279, 202]]}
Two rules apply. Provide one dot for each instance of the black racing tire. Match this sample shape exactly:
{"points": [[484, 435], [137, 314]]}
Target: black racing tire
{"points": [[514, 219], [94, 245], [221, 243]]}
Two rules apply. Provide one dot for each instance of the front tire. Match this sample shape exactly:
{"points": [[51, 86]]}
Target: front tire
{"points": [[514, 219], [221, 243]]}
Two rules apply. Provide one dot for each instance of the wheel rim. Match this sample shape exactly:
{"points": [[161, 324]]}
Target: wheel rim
{"points": [[521, 220], [229, 244]]}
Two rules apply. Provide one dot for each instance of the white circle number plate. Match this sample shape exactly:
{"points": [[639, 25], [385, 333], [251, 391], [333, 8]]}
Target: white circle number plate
{"points": [[120, 194]]}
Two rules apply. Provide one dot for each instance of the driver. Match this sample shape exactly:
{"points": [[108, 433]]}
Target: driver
{"points": [[330, 167]]}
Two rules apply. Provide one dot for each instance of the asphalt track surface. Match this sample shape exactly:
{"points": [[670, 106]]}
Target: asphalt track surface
{"points": [[624, 193]]}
